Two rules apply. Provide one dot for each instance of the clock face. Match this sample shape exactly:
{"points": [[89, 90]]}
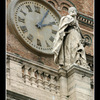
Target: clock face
{"points": [[36, 24]]}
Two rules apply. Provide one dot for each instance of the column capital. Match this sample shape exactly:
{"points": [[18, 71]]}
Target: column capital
{"points": [[62, 72]]}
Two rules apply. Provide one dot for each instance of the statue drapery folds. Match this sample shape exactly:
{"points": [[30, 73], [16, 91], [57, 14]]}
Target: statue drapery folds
{"points": [[67, 47]]}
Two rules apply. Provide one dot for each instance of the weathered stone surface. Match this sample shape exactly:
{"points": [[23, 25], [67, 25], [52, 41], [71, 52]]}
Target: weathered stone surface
{"points": [[79, 85], [19, 80], [56, 85]]}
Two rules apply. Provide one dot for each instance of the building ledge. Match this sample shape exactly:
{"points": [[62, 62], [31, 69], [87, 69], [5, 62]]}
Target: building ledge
{"points": [[80, 70]]}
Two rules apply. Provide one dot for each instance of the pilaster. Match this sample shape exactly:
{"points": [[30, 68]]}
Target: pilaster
{"points": [[63, 83], [79, 87]]}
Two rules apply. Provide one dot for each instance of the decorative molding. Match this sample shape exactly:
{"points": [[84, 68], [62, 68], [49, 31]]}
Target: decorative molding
{"points": [[70, 2], [15, 96], [19, 59], [85, 20], [80, 70], [59, 5], [62, 72], [86, 31]]}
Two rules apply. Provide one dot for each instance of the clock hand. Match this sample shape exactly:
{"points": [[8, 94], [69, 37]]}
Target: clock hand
{"points": [[40, 23], [51, 23]]}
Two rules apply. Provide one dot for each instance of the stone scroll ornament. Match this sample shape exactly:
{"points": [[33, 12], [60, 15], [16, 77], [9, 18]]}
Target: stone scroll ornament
{"points": [[69, 44], [87, 40]]}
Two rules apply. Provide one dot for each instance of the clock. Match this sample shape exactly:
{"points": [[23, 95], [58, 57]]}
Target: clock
{"points": [[35, 23]]}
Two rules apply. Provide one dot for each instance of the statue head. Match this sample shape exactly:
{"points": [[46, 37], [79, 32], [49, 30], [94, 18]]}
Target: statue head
{"points": [[72, 11]]}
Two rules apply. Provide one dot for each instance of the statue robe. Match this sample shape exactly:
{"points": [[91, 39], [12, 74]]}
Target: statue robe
{"points": [[67, 47]]}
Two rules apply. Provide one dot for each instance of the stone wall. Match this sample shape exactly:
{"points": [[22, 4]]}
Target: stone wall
{"points": [[40, 82]]}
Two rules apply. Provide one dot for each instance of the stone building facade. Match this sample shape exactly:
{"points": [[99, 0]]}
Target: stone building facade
{"points": [[31, 76]]}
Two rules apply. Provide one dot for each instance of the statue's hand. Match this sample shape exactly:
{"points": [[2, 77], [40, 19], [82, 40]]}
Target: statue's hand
{"points": [[62, 35], [73, 23]]}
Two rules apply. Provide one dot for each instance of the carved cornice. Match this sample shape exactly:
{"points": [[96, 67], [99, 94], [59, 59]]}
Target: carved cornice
{"points": [[37, 65], [80, 70], [15, 96]]}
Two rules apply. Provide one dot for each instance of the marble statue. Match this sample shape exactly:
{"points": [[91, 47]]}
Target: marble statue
{"points": [[68, 48]]}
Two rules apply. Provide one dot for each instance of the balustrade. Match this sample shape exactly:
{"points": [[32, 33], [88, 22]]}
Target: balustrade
{"points": [[34, 76], [40, 79]]}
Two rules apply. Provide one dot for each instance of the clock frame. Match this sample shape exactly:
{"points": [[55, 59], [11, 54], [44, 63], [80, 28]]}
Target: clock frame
{"points": [[35, 23]]}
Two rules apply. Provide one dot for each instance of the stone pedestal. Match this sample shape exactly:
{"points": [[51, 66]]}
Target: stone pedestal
{"points": [[78, 83], [63, 83]]}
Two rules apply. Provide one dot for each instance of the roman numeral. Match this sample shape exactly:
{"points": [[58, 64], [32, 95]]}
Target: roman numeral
{"points": [[23, 28], [30, 37], [37, 9], [47, 44], [23, 12], [51, 39], [54, 32], [21, 20], [39, 42], [29, 8]]}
